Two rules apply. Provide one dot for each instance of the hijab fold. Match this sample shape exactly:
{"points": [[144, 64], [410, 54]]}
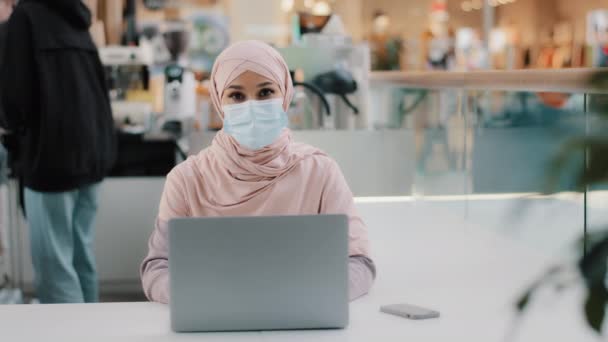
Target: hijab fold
{"points": [[240, 174]]}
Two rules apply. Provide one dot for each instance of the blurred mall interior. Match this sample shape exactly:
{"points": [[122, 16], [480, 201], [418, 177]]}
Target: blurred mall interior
{"points": [[448, 118], [411, 35]]}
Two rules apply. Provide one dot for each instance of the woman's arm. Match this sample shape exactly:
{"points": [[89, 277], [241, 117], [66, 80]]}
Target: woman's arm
{"points": [[154, 269], [361, 275], [338, 199]]}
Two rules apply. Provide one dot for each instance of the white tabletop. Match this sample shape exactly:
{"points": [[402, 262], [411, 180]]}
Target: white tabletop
{"points": [[472, 276]]}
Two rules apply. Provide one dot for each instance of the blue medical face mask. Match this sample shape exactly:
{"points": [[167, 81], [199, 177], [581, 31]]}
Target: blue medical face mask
{"points": [[255, 124]]}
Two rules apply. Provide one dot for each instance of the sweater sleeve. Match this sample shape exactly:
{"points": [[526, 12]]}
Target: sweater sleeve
{"points": [[17, 73], [154, 269], [337, 198], [361, 275]]}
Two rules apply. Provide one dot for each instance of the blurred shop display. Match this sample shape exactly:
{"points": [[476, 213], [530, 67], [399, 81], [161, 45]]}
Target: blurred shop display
{"points": [[558, 49], [158, 55], [157, 63], [308, 23], [152, 40], [208, 118], [209, 37], [568, 53], [132, 99], [386, 48], [183, 38], [302, 110], [155, 5], [128, 77], [470, 53], [114, 21], [338, 82], [127, 70], [324, 55], [97, 25], [597, 37], [179, 86], [438, 39], [502, 48], [521, 34]]}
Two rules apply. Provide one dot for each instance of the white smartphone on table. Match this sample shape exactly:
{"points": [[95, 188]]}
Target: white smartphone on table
{"points": [[409, 311]]}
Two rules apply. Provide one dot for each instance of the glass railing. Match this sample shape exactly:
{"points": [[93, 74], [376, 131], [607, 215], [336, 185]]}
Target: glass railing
{"points": [[483, 145]]}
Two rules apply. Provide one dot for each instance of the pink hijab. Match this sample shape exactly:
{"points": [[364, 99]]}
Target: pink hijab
{"points": [[253, 170], [249, 55], [284, 178]]}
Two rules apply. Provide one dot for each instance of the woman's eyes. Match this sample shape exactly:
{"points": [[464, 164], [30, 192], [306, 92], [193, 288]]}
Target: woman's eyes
{"points": [[266, 92], [237, 96]]}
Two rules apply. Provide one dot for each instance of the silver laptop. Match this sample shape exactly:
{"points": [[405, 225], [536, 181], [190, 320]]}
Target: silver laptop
{"points": [[258, 273]]}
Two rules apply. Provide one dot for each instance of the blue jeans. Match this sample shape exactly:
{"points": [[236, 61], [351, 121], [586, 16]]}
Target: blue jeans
{"points": [[61, 237]]}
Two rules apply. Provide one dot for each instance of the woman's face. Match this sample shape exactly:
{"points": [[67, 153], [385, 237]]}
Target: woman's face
{"points": [[250, 86]]}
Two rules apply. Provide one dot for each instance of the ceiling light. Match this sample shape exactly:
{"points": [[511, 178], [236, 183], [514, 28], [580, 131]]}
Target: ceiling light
{"points": [[466, 6], [476, 4], [321, 8], [287, 5]]}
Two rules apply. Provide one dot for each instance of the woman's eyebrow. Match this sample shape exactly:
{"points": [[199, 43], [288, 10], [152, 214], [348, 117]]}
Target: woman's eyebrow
{"points": [[264, 84], [238, 87]]}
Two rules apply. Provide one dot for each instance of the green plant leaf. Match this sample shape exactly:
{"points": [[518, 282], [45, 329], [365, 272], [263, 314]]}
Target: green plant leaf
{"points": [[558, 163], [597, 104], [593, 265], [597, 169], [596, 148], [592, 238], [522, 303], [599, 80], [595, 307], [524, 300]]}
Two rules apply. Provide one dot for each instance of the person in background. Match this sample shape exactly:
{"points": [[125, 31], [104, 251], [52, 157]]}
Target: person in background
{"points": [[386, 48], [55, 98], [254, 169], [6, 9]]}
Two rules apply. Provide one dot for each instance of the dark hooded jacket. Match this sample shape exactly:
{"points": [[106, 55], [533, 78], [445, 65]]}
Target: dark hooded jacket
{"points": [[55, 97]]}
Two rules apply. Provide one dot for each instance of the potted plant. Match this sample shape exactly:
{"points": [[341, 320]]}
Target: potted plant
{"points": [[592, 265]]}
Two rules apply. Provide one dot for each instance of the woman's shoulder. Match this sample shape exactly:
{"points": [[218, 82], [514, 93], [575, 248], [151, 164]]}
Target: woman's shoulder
{"points": [[316, 156], [184, 169]]}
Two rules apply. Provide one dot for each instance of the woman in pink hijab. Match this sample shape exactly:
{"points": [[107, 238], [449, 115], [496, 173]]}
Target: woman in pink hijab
{"points": [[253, 167]]}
